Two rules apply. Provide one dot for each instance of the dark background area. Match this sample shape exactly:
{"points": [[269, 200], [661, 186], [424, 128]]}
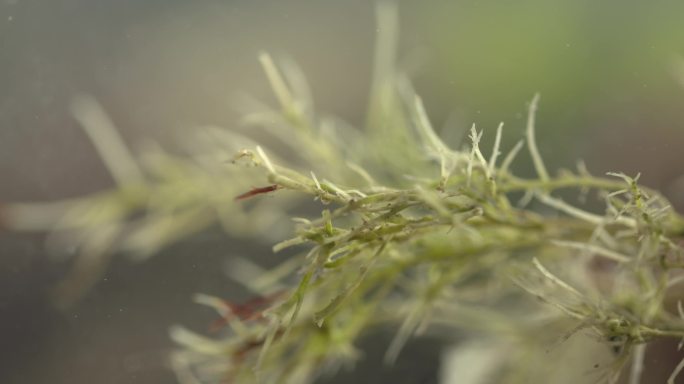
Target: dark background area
{"points": [[609, 74]]}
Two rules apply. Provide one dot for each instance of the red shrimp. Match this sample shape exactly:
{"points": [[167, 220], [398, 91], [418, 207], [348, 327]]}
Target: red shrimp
{"points": [[257, 191], [249, 310]]}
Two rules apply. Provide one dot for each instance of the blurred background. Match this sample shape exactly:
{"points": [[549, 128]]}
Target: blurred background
{"points": [[611, 76]]}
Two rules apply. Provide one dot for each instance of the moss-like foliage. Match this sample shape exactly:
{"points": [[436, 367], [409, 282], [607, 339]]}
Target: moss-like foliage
{"points": [[412, 234]]}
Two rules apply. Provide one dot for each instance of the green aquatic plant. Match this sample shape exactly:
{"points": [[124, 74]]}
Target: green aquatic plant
{"points": [[413, 234]]}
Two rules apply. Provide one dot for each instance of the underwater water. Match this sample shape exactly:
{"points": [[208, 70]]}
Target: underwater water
{"points": [[612, 85]]}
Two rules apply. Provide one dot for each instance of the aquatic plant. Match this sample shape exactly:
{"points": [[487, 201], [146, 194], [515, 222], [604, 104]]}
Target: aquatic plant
{"points": [[412, 234]]}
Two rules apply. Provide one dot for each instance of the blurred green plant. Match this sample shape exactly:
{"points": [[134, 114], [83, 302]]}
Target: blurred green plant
{"points": [[413, 234]]}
